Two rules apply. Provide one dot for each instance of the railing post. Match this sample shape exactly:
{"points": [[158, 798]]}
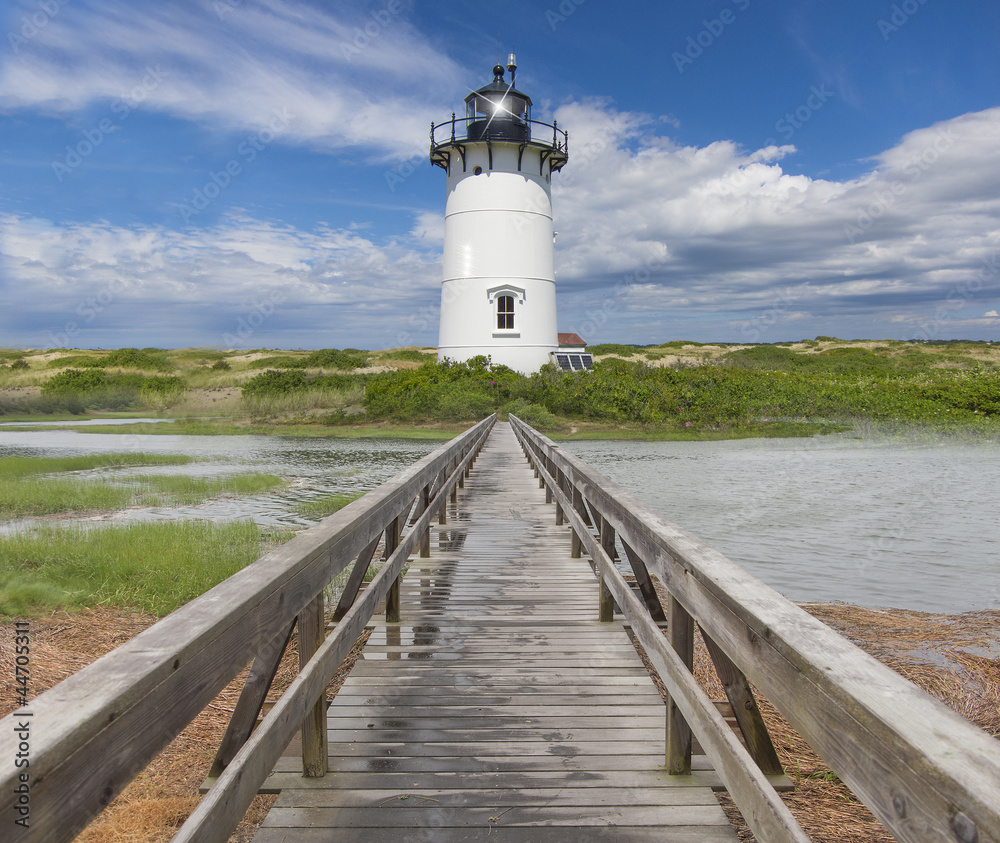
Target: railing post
{"points": [[312, 631], [607, 604], [392, 597], [561, 483], [425, 539], [680, 630]]}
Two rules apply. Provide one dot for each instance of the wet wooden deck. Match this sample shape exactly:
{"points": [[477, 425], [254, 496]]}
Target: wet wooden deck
{"points": [[499, 708]]}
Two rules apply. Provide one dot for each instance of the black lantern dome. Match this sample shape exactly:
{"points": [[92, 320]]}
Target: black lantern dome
{"points": [[498, 113]]}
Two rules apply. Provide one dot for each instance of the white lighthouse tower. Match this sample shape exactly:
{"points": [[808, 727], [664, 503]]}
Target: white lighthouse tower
{"points": [[498, 294]]}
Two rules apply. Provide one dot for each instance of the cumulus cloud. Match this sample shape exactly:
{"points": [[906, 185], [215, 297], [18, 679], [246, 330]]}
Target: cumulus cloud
{"points": [[230, 64], [658, 240], [655, 237], [70, 284]]}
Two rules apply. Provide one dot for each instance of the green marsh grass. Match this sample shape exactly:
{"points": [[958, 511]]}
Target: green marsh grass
{"points": [[154, 567], [12, 467], [28, 486], [327, 505]]}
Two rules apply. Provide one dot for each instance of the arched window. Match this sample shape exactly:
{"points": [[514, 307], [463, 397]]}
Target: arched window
{"points": [[505, 313]]}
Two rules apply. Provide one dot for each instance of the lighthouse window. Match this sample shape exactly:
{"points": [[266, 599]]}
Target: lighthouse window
{"points": [[505, 313], [478, 171]]}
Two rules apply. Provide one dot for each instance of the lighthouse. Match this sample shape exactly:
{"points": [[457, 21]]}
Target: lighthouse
{"points": [[498, 292]]}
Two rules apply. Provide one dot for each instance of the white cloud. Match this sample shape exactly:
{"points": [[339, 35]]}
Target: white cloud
{"points": [[726, 237], [349, 77], [91, 284], [657, 240]]}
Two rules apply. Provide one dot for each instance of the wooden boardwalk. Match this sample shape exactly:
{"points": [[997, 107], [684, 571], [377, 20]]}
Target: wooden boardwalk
{"points": [[499, 708]]}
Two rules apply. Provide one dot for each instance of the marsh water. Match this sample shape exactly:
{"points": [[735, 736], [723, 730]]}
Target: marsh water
{"points": [[876, 520]]}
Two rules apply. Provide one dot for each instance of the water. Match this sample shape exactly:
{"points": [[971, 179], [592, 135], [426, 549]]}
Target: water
{"points": [[876, 521], [312, 467], [879, 522]]}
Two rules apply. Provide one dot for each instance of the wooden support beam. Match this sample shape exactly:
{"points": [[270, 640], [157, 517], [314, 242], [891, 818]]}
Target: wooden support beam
{"points": [[251, 701], [645, 583], [353, 584], [312, 633], [581, 507], [745, 709]]}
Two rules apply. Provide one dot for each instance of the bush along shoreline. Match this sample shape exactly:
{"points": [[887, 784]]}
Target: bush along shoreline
{"points": [[677, 389]]}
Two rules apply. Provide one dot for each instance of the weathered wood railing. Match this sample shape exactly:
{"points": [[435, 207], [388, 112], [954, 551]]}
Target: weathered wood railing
{"points": [[94, 732], [926, 773]]}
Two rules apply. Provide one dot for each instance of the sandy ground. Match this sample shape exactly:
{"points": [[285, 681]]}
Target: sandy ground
{"points": [[950, 656]]}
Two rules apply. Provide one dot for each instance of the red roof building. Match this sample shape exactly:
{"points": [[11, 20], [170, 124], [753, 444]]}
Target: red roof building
{"points": [[571, 341]]}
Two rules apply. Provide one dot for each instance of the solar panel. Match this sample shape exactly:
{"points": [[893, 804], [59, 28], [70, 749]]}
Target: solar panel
{"points": [[574, 362]]}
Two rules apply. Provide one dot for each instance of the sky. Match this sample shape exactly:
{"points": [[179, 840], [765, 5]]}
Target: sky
{"points": [[254, 173]]}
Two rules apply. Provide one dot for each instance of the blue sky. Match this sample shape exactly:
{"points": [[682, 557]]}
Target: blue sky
{"points": [[251, 174]]}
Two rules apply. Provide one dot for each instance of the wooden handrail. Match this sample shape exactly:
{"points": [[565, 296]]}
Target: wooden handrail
{"points": [[95, 731], [925, 772]]}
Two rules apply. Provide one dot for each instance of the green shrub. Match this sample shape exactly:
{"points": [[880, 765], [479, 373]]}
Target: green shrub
{"points": [[133, 358], [75, 380], [77, 361], [20, 363], [95, 389], [332, 358], [221, 366], [273, 382], [324, 358]]}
